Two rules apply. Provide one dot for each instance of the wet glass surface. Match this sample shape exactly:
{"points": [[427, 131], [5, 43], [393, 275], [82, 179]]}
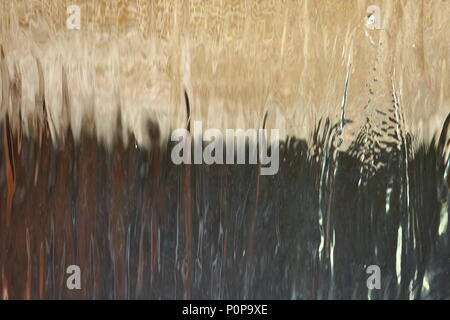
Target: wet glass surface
{"points": [[139, 226], [87, 180]]}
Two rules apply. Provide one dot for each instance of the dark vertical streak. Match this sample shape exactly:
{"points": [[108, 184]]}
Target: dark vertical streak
{"points": [[187, 203]]}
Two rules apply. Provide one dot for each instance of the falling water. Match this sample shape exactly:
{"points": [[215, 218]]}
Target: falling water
{"points": [[87, 180]]}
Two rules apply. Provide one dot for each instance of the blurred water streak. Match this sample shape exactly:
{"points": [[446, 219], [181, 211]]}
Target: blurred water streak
{"points": [[140, 227]]}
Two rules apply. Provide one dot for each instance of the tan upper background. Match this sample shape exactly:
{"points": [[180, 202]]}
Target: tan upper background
{"points": [[236, 59]]}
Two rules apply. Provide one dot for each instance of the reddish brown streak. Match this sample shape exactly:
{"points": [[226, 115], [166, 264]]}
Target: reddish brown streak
{"points": [[10, 172]]}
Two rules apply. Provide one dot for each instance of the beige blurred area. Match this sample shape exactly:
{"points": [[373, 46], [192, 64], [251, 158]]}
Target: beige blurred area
{"points": [[236, 60]]}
